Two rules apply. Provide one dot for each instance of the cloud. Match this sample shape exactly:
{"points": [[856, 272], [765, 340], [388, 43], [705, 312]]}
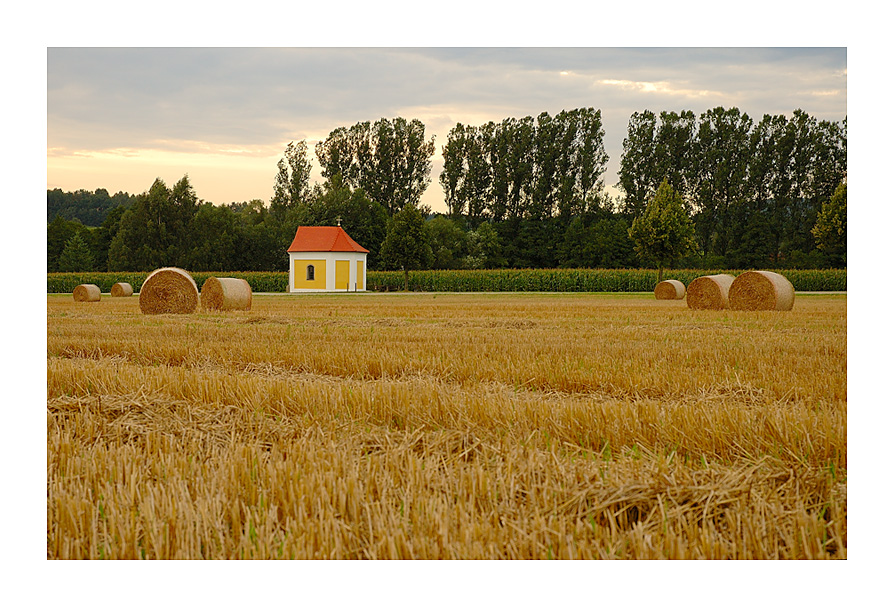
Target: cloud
{"points": [[249, 102], [662, 88]]}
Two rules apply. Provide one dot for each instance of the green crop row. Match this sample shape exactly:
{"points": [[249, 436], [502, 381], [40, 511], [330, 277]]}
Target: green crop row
{"points": [[65, 282], [583, 280]]}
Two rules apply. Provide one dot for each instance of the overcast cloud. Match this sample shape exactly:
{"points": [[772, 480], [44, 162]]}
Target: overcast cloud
{"points": [[118, 118]]}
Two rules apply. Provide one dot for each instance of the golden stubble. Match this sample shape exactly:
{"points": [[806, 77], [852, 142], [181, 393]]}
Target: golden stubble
{"points": [[447, 426]]}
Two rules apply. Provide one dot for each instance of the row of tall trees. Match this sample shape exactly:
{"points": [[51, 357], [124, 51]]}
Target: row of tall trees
{"points": [[528, 168], [524, 192], [753, 190]]}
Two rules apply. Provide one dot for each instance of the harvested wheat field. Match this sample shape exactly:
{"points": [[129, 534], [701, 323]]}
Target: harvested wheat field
{"points": [[437, 426]]}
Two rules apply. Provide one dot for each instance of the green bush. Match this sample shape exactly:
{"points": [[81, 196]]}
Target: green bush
{"points": [[560, 279]]}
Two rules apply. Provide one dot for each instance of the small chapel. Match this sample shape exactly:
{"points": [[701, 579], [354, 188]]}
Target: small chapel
{"points": [[325, 258]]}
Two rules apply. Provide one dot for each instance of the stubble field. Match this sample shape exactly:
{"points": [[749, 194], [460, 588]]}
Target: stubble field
{"points": [[447, 426]]}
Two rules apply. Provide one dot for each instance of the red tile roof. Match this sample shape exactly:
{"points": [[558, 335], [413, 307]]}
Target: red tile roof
{"points": [[323, 238]]}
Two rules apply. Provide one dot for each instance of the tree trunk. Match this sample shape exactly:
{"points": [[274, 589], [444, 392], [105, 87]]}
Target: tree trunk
{"points": [[661, 272], [406, 279]]}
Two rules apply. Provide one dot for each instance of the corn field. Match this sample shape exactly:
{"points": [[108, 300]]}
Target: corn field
{"points": [[447, 426], [550, 280]]}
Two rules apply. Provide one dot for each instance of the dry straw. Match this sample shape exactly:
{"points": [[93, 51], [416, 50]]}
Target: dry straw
{"points": [[122, 290], [670, 290], [761, 290], [709, 292], [168, 290], [226, 294], [87, 292]]}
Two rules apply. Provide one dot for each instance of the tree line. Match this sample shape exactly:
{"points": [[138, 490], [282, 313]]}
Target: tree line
{"points": [[89, 208], [753, 190], [524, 192]]}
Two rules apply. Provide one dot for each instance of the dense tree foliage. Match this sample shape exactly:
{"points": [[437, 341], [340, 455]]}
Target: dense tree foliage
{"points": [[448, 242], [90, 208], [406, 246], [76, 256], [598, 238], [155, 231], [830, 229], [59, 232]]}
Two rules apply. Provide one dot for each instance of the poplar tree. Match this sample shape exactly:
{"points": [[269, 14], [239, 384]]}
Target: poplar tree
{"points": [[292, 185], [389, 159]]}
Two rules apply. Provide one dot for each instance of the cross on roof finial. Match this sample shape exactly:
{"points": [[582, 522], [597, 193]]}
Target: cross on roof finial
{"points": [[339, 221]]}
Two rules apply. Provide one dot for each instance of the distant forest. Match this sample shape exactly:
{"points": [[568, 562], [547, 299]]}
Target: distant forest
{"points": [[89, 208], [522, 193]]}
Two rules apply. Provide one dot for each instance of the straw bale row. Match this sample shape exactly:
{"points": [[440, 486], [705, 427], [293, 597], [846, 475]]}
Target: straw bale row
{"points": [[173, 290], [752, 290]]}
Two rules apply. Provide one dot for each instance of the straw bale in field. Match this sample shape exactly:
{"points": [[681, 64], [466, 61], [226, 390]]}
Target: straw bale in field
{"points": [[168, 290], [761, 290], [122, 290], [226, 294], [88, 292], [670, 290], [709, 292]]}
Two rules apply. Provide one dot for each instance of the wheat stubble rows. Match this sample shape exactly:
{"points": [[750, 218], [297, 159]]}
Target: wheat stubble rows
{"points": [[449, 426]]}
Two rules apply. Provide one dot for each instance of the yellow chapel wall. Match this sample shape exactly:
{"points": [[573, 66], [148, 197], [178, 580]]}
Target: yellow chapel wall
{"points": [[300, 274], [343, 274]]}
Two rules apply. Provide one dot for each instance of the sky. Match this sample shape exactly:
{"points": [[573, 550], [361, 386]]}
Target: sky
{"points": [[117, 118]]}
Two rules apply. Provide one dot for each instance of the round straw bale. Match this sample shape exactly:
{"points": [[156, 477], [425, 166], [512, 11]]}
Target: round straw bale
{"points": [[761, 290], [226, 294], [88, 292], [168, 290], [709, 292], [122, 290], [670, 290]]}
